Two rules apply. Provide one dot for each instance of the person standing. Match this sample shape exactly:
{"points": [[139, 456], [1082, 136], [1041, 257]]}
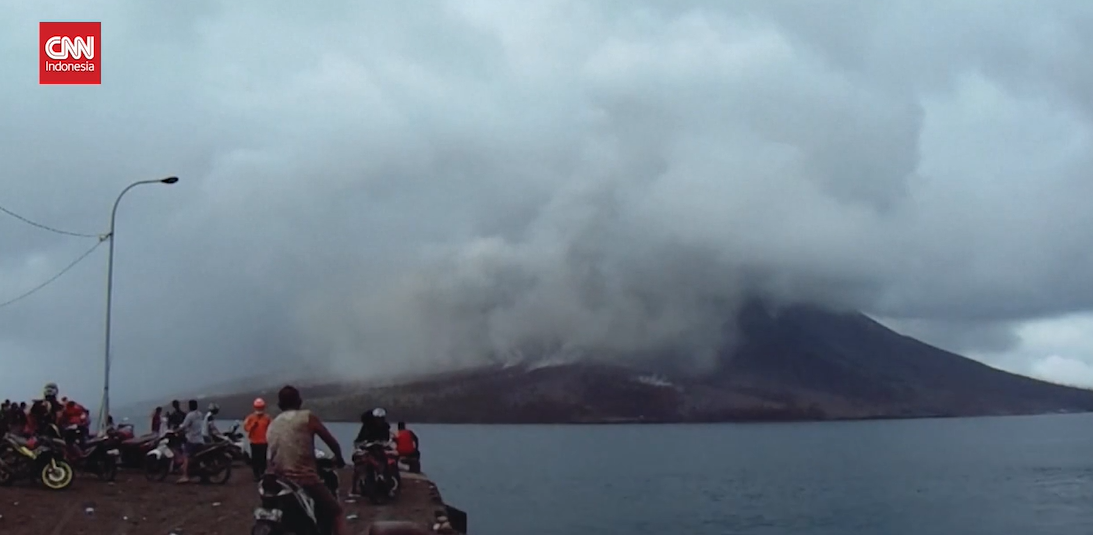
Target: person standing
{"points": [[157, 421], [5, 416], [175, 417], [209, 428], [18, 418], [256, 425], [23, 413], [193, 428], [5, 411]]}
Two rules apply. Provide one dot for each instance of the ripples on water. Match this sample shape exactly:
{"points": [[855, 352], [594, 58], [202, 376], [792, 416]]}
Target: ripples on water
{"points": [[989, 476]]}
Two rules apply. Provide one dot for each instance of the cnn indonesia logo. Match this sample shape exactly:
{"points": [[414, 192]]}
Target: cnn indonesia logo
{"points": [[69, 53]]}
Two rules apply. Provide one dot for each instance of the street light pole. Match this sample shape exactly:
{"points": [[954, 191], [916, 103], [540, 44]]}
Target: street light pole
{"points": [[104, 413]]}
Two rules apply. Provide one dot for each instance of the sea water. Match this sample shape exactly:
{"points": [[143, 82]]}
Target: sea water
{"points": [[989, 476]]}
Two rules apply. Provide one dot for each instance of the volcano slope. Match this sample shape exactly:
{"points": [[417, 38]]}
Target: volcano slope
{"points": [[793, 363]]}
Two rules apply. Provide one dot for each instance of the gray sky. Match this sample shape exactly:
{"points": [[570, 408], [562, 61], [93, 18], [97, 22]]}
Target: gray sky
{"points": [[374, 187]]}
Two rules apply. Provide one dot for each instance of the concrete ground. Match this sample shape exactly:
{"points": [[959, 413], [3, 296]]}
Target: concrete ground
{"points": [[135, 506]]}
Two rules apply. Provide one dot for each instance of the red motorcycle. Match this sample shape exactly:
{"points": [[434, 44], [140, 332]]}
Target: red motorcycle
{"points": [[376, 472], [98, 455], [133, 449]]}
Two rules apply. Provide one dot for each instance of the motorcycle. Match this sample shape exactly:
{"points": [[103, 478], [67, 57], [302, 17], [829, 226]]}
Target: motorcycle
{"points": [[163, 458], [376, 472], [134, 450], [38, 457], [287, 508], [211, 464], [125, 430], [233, 439], [97, 455]]}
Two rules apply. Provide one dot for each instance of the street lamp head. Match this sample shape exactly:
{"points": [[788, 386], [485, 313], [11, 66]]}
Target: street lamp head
{"points": [[170, 180]]}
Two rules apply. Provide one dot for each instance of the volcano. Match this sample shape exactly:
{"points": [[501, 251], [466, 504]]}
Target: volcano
{"points": [[789, 363]]}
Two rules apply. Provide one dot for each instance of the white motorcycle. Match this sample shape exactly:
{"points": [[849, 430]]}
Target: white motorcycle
{"points": [[211, 463], [238, 443]]}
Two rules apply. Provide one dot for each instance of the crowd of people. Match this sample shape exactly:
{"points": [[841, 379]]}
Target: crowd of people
{"points": [[17, 418], [200, 428], [281, 445], [195, 427]]}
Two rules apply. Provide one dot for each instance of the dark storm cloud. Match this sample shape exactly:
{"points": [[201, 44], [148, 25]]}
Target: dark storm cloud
{"points": [[381, 188]]}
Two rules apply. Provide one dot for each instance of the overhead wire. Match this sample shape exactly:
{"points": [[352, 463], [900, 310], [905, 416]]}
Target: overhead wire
{"points": [[47, 227], [59, 274]]}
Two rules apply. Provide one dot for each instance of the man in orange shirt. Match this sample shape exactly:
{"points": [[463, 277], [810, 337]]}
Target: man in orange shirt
{"points": [[255, 426]]}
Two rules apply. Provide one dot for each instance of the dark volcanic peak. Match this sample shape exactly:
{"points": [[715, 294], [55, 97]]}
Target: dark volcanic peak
{"points": [[782, 363], [852, 356]]}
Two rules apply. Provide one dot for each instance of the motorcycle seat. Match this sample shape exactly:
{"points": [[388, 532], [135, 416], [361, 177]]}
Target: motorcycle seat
{"points": [[143, 439], [210, 446], [396, 527], [17, 440]]}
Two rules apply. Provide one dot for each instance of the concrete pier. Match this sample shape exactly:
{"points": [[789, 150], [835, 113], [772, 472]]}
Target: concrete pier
{"points": [[135, 506]]}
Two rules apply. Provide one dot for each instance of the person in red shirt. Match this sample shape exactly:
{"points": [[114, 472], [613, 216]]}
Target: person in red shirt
{"points": [[407, 445], [30, 428], [73, 414], [157, 420]]}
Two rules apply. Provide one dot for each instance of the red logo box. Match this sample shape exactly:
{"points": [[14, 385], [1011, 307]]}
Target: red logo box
{"points": [[70, 53]]}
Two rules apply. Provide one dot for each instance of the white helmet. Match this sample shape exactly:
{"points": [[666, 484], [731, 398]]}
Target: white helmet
{"points": [[378, 412], [214, 408], [50, 390]]}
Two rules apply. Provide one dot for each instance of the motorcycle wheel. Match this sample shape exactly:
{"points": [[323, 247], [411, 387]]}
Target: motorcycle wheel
{"points": [[396, 489], [372, 489], [109, 469], [57, 475], [6, 478], [219, 469], [330, 479], [156, 469], [262, 527]]}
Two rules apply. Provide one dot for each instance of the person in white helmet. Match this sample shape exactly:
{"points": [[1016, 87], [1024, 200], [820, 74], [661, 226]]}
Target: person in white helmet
{"points": [[374, 427], [209, 429], [46, 411]]}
